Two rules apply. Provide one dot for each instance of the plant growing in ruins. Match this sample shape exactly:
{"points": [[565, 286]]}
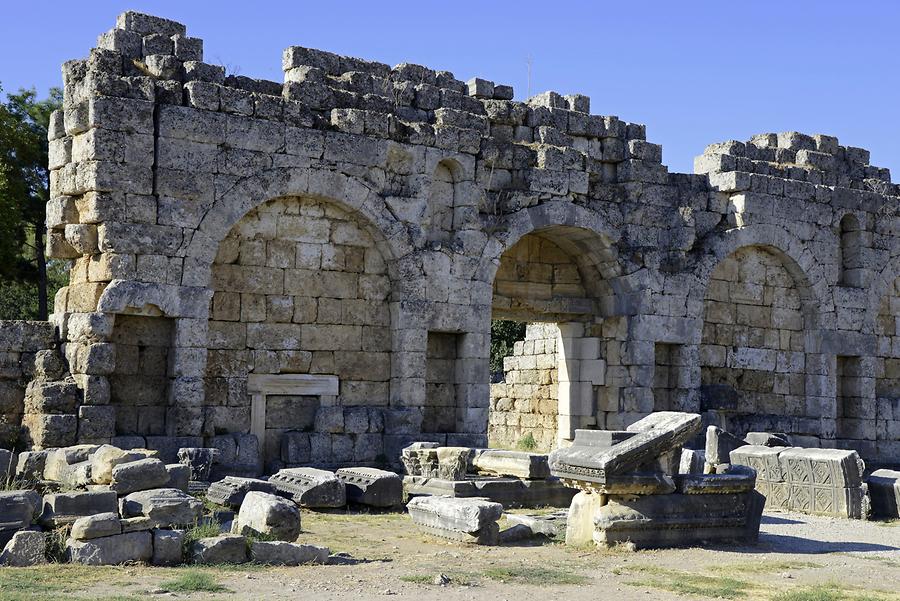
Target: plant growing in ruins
{"points": [[503, 335], [56, 544], [204, 528], [527, 443]]}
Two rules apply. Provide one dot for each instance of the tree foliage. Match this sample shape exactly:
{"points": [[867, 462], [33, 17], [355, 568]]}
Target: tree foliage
{"points": [[503, 335], [24, 192]]}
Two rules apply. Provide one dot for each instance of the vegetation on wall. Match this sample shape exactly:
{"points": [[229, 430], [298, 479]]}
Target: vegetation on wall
{"points": [[503, 335]]}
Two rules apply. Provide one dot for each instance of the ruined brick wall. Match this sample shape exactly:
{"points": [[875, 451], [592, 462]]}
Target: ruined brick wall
{"points": [[160, 163], [525, 402], [20, 342]]}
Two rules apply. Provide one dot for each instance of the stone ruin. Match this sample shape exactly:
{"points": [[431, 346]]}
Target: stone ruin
{"points": [[303, 272], [299, 276]]}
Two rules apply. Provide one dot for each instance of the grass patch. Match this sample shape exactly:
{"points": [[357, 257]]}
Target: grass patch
{"points": [[204, 529], [417, 578], [194, 582], [52, 581], [685, 583], [765, 567], [534, 575], [825, 592]]}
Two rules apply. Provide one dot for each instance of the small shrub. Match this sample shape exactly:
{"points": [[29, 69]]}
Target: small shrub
{"points": [[193, 582], [527, 443], [56, 544]]}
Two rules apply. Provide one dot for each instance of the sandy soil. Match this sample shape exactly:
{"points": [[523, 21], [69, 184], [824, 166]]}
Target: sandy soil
{"points": [[386, 557]]}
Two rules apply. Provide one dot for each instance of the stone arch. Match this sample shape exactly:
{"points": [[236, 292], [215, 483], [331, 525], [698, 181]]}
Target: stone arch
{"points": [[349, 192], [758, 354], [302, 287], [798, 260], [577, 230]]}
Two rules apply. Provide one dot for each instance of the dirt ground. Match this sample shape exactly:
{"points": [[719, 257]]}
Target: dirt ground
{"points": [[798, 558]]}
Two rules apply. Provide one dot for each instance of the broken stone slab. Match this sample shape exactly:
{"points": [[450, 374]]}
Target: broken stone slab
{"points": [[827, 467], [105, 458], [692, 461], [371, 486], [551, 525], [678, 520], [884, 489], [199, 460], [287, 554], [30, 465], [231, 490], [139, 524], [25, 548], [580, 518], [310, 487], [453, 462], [814, 481], [225, 548], [111, 550], [144, 474], [509, 492], [417, 462], [655, 435], [720, 444], [167, 547], [179, 476], [763, 460], [19, 508], [64, 508], [768, 439], [515, 533], [60, 462], [8, 461], [269, 515], [737, 479], [531, 466], [463, 520], [96, 526], [166, 506]]}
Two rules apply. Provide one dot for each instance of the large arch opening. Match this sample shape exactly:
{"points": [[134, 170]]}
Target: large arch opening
{"points": [[300, 290], [559, 369], [753, 361]]}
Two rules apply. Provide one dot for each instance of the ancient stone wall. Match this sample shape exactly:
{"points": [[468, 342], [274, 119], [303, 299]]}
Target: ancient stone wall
{"points": [[20, 343], [524, 406], [162, 168]]}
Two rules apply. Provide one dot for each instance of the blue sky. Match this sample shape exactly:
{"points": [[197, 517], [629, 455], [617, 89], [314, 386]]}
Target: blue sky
{"points": [[694, 72]]}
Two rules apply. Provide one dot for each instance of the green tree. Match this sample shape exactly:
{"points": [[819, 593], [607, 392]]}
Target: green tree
{"points": [[24, 192], [503, 335]]}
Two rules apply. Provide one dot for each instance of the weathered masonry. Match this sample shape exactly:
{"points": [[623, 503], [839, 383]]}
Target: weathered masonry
{"points": [[356, 227]]}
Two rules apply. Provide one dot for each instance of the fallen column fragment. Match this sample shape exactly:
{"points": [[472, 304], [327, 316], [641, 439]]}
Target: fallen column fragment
{"points": [[463, 520]]}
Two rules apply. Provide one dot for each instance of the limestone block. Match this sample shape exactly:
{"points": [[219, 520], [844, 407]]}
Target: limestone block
{"points": [[167, 547], [227, 548], [166, 506], [512, 463], [231, 490], [678, 520], [111, 550], [884, 488], [737, 479], [143, 474], [371, 486], [18, 508], [179, 476], [64, 508], [453, 462], [580, 521], [719, 445], [463, 520], [25, 548], [30, 465], [827, 467], [310, 487], [287, 554], [691, 461], [269, 515], [96, 526], [105, 458]]}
